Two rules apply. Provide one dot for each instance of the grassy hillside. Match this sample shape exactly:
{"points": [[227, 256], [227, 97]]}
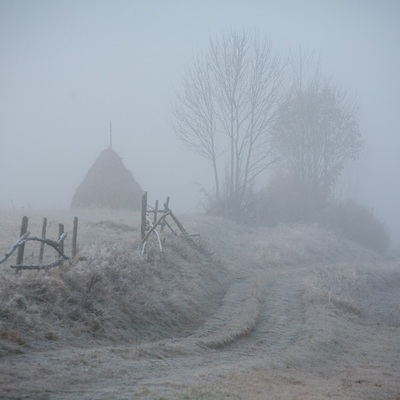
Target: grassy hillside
{"points": [[110, 294]]}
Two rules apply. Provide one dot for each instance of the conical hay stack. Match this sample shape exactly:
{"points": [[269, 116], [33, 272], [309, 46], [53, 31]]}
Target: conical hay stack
{"points": [[108, 183]]}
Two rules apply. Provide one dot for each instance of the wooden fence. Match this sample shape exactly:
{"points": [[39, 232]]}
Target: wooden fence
{"points": [[57, 245], [159, 220]]}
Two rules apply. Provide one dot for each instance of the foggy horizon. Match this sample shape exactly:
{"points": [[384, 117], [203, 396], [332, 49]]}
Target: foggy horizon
{"points": [[70, 67]]}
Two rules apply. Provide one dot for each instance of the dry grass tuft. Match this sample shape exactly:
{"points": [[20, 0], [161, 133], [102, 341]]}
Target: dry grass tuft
{"points": [[109, 293], [12, 336], [369, 291]]}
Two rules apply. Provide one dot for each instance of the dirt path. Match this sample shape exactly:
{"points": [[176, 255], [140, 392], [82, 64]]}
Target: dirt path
{"points": [[267, 340], [292, 350]]}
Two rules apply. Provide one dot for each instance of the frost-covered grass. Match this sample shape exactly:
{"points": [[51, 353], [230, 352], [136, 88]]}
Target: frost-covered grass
{"points": [[110, 294], [296, 245], [94, 227], [370, 291]]}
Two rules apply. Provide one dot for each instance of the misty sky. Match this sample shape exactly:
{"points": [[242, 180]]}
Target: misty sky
{"points": [[69, 67]]}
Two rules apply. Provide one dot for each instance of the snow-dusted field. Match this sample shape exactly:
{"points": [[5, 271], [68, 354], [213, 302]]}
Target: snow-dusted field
{"points": [[282, 313]]}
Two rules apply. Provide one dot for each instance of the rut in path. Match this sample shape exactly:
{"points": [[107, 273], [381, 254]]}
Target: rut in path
{"points": [[280, 315], [272, 351], [261, 313]]}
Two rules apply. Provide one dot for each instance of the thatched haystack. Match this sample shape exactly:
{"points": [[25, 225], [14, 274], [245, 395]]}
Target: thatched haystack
{"points": [[108, 183]]}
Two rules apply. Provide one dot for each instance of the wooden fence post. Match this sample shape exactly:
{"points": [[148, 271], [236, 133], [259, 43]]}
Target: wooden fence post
{"points": [[41, 252], [155, 212], [24, 228], [60, 232], [166, 202], [74, 237], [143, 219], [166, 209]]}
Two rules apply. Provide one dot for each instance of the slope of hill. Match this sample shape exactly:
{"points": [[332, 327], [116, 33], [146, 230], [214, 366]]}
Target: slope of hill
{"points": [[288, 312]]}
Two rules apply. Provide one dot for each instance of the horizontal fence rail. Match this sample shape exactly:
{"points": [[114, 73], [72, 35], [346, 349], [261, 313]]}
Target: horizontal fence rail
{"points": [[57, 245]]}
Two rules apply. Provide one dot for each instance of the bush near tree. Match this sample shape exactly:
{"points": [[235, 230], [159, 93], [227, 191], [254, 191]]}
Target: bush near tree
{"points": [[284, 201], [246, 110]]}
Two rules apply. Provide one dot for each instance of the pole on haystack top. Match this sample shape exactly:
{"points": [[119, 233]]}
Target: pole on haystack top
{"points": [[110, 134]]}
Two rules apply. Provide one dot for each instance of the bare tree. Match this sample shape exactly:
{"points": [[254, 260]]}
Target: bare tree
{"points": [[195, 114], [225, 112], [316, 132]]}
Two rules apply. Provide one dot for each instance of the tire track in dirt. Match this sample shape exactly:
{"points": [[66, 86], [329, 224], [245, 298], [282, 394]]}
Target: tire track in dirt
{"points": [[265, 337], [276, 349], [280, 316], [277, 325], [236, 318], [235, 322], [261, 313], [282, 312]]}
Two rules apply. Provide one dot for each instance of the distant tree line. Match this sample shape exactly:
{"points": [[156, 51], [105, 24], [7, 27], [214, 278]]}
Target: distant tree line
{"points": [[248, 109]]}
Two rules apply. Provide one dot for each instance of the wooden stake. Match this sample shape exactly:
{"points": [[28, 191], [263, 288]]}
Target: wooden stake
{"points": [[41, 252], [166, 204], [180, 226], [166, 209], [74, 237], [143, 219], [24, 228], [155, 212], [60, 233]]}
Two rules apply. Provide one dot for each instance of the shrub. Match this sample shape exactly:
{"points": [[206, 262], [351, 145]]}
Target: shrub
{"points": [[357, 222], [286, 201]]}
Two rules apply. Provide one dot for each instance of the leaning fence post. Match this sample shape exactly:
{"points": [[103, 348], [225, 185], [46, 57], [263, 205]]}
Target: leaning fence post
{"points": [[74, 236], [144, 212], [24, 228], [60, 232], [180, 226], [41, 251]]}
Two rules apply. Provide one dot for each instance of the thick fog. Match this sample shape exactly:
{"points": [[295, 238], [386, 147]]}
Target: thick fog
{"points": [[68, 68]]}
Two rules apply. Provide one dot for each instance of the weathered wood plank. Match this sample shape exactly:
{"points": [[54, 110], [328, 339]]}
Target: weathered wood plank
{"points": [[41, 251], [21, 248]]}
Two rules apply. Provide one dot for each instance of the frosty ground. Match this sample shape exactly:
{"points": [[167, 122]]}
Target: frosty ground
{"points": [[290, 312]]}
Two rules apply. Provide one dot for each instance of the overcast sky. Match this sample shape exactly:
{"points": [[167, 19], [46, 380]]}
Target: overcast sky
{"points": [[69, 67]]}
